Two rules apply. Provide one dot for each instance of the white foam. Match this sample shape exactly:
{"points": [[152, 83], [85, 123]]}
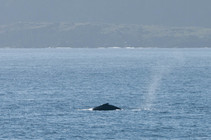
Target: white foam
{"points": [[130, 47], [115, 47], [89, 109], [137, 109]]}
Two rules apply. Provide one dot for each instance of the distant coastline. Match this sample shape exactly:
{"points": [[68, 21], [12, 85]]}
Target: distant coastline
{"points": [[101, 35]]}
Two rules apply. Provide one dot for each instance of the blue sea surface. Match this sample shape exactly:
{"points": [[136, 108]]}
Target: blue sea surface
{"points": [[48, 93]]}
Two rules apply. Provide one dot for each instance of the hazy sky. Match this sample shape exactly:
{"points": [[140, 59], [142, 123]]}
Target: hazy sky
{"points": [[147, 12]]}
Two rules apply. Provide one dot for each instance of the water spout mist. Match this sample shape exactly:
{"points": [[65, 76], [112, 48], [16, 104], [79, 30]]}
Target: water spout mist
{"points": [[158, 72], [154, 86]]}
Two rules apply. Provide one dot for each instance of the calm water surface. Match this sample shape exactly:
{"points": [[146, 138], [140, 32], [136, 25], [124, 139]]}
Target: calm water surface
{"points": [[164, 93]]}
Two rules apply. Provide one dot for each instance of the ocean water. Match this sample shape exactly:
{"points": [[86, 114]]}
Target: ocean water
{"points": [[48, 93]]}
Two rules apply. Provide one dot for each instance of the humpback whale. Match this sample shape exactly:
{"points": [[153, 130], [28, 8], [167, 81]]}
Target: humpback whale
{"points": [[106, 106]]}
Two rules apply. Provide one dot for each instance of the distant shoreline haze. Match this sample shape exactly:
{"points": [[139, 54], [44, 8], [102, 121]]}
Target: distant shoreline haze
{"points": [[105, 23], [179, 13], [94, 35]]}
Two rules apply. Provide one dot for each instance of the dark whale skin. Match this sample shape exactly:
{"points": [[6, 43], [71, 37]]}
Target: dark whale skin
{"points": [[105, 107]]}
